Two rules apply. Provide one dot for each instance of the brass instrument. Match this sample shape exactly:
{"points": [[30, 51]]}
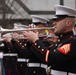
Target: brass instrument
{"points": [[20, 30], [28, 29]]}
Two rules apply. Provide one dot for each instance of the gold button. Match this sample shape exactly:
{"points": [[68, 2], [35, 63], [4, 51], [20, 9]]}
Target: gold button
{"points": [[58, 40], [54, 50], [13, 59], [34, 72], [38, 46], [55, 44], [61, 35], [71, 36], [35, 43], [27, 60], [20, 43], [9, 51], [25, 44], [21, 65], [22, 46], [42, 49]]}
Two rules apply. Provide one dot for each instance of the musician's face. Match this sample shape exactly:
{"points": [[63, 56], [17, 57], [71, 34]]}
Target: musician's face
{"points": [[60, 26], [40, 31]]}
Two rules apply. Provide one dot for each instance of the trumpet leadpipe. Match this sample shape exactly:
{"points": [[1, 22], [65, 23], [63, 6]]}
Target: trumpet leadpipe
{"points": [[28, 29], [42, 28]]}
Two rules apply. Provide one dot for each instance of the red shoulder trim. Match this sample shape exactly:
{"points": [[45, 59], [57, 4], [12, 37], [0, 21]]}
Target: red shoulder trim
{"points": [[65, 49]]}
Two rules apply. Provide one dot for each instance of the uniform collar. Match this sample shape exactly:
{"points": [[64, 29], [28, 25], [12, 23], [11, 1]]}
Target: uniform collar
{"points": [[67, 35]]}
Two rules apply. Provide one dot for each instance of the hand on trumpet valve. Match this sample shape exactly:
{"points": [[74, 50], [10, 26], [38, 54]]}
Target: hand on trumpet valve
{"points": [[31, 36], [15, 35]]}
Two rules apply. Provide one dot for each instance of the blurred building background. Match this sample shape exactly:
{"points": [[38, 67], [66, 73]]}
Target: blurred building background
{"points": [[13, 11]]}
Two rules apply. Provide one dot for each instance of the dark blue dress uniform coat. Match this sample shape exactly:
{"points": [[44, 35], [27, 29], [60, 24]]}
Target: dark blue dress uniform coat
{"points": [[61, 56], [35, 65], [25, 53], [10, 59], [20, 46]]}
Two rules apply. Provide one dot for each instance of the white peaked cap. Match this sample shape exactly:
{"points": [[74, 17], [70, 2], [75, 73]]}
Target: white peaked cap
{"points": [[36, 18], [19, 26], [64, 10], [53, 18]]}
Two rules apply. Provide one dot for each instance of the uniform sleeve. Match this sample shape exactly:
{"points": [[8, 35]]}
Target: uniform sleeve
{"points": [[21, 48], [55, 56]]}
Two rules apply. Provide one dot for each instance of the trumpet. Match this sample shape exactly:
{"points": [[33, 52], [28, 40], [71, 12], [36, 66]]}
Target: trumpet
{"points": [[20, 30], [28, 29]]}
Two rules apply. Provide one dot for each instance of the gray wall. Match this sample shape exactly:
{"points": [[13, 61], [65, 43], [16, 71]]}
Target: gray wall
{"points": [[22, 9]]}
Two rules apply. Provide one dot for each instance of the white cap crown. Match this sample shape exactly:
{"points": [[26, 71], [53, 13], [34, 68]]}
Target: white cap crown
{"points": [[64, 10], [39, 19]]}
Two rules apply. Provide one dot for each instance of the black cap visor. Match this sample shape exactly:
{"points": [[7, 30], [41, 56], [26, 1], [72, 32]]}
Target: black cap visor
{"points": [[60, 17]]}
